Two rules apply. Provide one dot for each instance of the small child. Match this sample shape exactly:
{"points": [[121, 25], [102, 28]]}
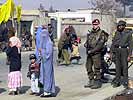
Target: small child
{"points": [[14, 76], [33, 73], [75, 53]]}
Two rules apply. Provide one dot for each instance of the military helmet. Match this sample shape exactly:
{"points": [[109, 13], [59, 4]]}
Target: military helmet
{"points": [[121, 22], [95, 22], [32, 56]]}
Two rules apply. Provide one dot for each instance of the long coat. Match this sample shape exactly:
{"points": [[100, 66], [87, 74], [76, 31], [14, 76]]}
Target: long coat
{"points": [[14, 58], [46, 69], [39, 30]]}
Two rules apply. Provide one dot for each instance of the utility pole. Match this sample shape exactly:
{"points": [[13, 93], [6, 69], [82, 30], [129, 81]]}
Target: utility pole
{"points": [[124, 6]]}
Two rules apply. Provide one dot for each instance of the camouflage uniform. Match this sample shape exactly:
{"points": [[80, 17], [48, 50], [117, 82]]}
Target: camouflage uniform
{"points": [[94, 46]]}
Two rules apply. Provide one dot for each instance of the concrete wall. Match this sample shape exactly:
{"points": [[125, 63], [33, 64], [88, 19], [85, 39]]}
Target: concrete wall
{"points": [[108, 21], [107, 24], [41, 21]]}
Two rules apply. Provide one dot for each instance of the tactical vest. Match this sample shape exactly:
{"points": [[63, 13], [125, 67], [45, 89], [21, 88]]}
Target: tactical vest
{"points": [[93, 38]]}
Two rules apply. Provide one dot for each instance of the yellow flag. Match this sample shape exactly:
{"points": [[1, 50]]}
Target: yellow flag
{"points": [[2, 13], [9, 10], [6, 10], [19, 9], [12, 8]]}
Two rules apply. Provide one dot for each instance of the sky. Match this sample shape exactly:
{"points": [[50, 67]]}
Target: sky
{"points": [[56, 4]]}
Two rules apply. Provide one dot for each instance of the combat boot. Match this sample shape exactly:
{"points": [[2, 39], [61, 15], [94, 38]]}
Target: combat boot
{"points": [[104, 79], [115, 83], [97, 84], [89, 84], [125, 85]]}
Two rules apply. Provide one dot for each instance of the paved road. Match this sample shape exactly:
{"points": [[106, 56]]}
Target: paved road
{"points": [[70, 81]]}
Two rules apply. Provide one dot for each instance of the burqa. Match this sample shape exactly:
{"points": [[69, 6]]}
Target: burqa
{"points": [[39, 30], [46, 69]]}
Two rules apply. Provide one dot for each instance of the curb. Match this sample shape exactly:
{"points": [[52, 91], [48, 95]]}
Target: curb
{"points": [[104, 93]]}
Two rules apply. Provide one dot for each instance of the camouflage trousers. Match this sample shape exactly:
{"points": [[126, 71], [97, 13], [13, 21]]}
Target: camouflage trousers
{"points": [[93, 66]]}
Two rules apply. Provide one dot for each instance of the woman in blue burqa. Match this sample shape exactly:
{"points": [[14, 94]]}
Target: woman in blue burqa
{"points": [[46, 69], [37, 41]]}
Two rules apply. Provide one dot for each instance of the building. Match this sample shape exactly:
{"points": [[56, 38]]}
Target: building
{"points": [[81, 20], [30, 19]]}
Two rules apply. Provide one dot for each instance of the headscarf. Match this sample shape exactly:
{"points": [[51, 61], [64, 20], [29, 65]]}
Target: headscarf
{"points": [[15, 41], [46, 44], [38, 33], [45, 39]]}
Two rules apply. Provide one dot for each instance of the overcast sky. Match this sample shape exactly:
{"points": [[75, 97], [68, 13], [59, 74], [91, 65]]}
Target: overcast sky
{"points": [[57, 4]]}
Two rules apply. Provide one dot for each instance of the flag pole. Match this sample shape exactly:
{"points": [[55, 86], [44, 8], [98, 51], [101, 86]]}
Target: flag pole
{"points": [[18, 22], [12, 21]]}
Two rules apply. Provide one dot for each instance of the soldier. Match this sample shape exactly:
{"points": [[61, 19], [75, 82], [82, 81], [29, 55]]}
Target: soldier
{"points": [[121, 46], [94, 45]]}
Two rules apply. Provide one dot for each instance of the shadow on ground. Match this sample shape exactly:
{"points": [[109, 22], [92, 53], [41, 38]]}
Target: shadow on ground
{"points": [[2, 90], [24, 89], [57, 90]]}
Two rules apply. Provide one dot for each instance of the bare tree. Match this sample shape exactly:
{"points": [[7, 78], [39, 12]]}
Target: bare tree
{"points": [[124, 4], [51, 9], [107, 6], [103, 5]]}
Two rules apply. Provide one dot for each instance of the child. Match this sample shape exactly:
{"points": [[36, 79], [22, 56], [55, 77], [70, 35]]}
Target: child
{"points": [[14, 76], [14, 41], [34, 74], [75, 52]]}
